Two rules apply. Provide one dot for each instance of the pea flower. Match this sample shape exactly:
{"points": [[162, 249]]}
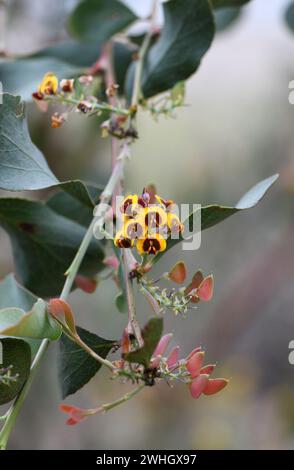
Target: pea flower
{"points": [[145, 225], [189, 370], [49, 84]]}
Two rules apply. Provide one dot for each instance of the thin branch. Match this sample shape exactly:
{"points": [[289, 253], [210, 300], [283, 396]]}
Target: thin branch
{"points": [[132, 323], [141, 56]]}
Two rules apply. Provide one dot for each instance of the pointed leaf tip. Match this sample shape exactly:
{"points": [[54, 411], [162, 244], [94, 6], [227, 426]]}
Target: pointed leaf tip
{"points": [[255, 194]]}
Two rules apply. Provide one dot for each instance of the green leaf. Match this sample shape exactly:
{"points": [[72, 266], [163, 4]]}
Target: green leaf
{"points": [[44, 244], [99, 20], [226, 17], [36, 323], [228, 3], [16, 353], [121, 298], [214, 214], [75, 366], [22, 165], [121, 302], [12, 294], [75, 53], [289, 16], [186, 36], [72, 208], [23, 76], [151, 333]]}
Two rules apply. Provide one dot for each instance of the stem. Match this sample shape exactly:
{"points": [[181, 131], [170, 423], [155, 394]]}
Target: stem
{"points": [[92, 353], [123, 399], [152, 301], [70, 277], [142, 52], [96, 106], [133, 323]]}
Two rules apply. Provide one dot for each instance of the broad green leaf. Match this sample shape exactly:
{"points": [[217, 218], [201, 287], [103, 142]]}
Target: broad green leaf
{"points": [[22, 165], [23, 76], [44, 244], [16, 353], [289, 16], [36, 323], [99, 20], [186, 36], [13, 295], [228, 3], [72, 208], [75, 53], [151, 335], [214, 214], [75, 366], [226, 17]]}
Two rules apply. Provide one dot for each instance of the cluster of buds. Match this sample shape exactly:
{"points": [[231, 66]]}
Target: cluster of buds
{"points": [[190, 370], [147, 223], [50, 86], [6, 377], [120, 127], [63, 92]]}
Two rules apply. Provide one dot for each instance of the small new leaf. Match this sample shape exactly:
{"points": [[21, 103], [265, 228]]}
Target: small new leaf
{"points": [[63, 314]]}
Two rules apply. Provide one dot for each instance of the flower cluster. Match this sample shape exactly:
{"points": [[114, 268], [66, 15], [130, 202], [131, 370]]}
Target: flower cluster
{"points": [[147, 223], [50, 86], [189, 370]]}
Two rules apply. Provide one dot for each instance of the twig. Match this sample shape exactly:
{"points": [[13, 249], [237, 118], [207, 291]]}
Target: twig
{"points": [[132, 323]]}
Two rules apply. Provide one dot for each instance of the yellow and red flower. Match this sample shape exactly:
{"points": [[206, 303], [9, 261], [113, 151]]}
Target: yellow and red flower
{"points": [[49, 84], [151, 245]]}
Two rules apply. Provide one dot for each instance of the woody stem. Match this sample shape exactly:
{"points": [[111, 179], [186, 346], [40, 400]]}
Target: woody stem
{"points": [[132, 323]]}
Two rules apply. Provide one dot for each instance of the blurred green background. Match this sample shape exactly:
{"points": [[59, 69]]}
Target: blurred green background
{"points": [[237, 130]]}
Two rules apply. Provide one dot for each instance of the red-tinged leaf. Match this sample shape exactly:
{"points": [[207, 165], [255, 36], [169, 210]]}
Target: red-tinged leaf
{"points": [[62, 312], [195, 362], [178, 273], [125, 342], [214, 386], [162, 345], [173, 357], [76, 415], [193, 352], [198, 385], [194, 284], [112, 262], [208, 369], [86, 284], [205, 290]]}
